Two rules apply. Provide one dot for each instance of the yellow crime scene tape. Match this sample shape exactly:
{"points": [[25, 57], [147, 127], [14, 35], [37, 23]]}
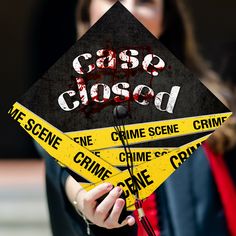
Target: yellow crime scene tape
{"points": [[117, 156], [96, 170], [61, 147], [150, 131], [150, 175]]}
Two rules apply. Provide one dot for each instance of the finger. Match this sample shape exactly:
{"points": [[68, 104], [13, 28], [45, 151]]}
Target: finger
{"points": [[105, 206], [97, 192], [130, 220], [112, 220]]}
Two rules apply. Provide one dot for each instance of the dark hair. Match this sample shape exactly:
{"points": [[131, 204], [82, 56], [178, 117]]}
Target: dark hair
{"points": [[178, 36]]}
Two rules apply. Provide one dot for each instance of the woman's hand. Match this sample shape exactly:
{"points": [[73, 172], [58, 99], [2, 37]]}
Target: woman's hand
{"points": [[104, 214]]}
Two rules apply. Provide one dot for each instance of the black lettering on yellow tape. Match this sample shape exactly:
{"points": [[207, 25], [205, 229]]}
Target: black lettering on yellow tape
{"points": [[149, 175], [117, 156], [212, 122], [61, 147], [152, 174], [151, 131]]}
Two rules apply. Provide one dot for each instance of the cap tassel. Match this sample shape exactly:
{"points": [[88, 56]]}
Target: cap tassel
{"points": [[143, 218]]}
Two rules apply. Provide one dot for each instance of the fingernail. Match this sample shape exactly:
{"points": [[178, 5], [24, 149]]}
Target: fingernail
{"points": [[119, 190], [109, 186], [130, 220], [120, 204]]}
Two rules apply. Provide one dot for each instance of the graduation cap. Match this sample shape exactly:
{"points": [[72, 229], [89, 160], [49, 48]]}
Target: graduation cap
{"points": [[119, 95]]}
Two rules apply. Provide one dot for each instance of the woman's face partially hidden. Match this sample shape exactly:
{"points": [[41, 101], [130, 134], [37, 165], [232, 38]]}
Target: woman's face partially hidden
{"points": [[148, 12]]}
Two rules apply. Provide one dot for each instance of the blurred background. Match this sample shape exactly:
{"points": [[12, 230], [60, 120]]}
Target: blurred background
{"points": [[34, 34]]}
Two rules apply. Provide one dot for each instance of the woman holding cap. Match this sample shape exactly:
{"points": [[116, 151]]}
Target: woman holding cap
{"points": [[191, 201]]}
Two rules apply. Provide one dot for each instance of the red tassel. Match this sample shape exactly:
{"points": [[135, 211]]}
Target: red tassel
{"points": [[143, 218]]}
